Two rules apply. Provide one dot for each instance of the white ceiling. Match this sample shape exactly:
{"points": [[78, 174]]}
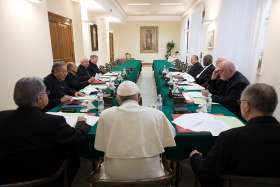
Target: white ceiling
{"points": [[153, 7]]}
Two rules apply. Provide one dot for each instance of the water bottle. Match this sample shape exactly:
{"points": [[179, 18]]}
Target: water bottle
{"points": [[124, 73], [209, 103], [100, 102], [159, 102]]}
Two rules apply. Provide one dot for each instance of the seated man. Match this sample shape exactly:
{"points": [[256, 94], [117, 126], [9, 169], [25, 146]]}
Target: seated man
{"points": [[196, 67], [205, 75], [72, 78], [83, 73], [132, 137], [57, 86], [35, 144], [93, 68], [251, 150], [229, 93]]}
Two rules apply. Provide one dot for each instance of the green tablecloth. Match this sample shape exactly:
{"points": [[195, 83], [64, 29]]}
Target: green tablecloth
{"points": [[185, 142], [88, 151]]}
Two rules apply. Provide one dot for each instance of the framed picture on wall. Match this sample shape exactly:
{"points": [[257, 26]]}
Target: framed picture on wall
{"points": [[210, 39], [94, 37], [149, 39]]}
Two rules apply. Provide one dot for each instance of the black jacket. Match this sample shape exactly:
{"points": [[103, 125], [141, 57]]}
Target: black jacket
{"points": [[93, 69], [57, 90], [249, 151], [34, 144], [230, 93], [195, 69], [83, 74], [205, 75], [74, 83]]}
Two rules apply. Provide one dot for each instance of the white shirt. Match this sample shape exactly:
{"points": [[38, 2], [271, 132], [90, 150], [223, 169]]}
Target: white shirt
{"points": [[132, 138]]}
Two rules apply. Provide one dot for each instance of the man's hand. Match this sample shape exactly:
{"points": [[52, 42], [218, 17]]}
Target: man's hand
{"points": [[215, 74], [91, 80], [65, 98], [194, 152], [79, 94]]}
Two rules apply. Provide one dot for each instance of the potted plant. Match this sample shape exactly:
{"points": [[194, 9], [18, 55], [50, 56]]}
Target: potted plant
{"points": [[169, 47]]}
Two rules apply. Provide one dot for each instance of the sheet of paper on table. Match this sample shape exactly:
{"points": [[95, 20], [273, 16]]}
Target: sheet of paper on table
{"points": [[192, 87], [71, 118], [199, 122], [86, 97], [195, 94], [89, 89], [111, 74]]}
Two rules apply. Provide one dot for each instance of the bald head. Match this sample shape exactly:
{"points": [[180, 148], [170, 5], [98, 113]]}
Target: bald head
{"points": [[219, 61], [227, 70], [84, 62]]}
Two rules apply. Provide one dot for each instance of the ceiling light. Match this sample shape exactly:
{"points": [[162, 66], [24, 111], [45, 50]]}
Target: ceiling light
{"points": [[171, 4], [36, 1], [139, 4]]}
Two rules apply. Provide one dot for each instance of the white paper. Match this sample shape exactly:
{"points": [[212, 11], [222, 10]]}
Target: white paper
{"points": [[111, 74], [88, 89], [187, 97], [188, 77], [198, 122], [86, 97], [71, 118], [195, 94], [193, 87]]}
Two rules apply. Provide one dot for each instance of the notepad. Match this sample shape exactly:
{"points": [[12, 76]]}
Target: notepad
{"points": [[71, 118]]}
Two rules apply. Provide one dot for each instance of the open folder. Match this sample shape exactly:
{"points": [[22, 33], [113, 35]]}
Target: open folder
{"points": [[204, 122], [71, 118]]}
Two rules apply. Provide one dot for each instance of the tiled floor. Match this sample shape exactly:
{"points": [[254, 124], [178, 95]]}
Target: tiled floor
{"points": [[147, 87]]}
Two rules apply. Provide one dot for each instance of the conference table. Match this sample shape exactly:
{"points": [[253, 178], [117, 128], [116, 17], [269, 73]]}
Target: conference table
{"points": [[185, 142]]}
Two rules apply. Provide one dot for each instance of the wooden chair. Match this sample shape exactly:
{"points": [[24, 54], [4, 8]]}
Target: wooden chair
{"points": [[167, 179], [45, 181], [245, 181]]}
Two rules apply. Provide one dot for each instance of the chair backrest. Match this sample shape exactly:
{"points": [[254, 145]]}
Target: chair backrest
{"points": [[237, 181], [95, 179], [61, 172]]}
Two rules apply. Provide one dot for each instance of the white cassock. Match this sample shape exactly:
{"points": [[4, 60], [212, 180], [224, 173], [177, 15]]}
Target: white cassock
{"points": [[132, 138]]}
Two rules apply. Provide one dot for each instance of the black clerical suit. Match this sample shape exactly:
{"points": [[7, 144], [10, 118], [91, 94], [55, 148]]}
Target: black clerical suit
{"points": [[83, 74], [34, 144], [195, 69], [229, 92], [205, 75], [57, 90], [252, 150], [93, 69], [74, 83]]}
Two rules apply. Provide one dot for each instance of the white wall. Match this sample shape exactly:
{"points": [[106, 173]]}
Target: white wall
{"points": [[25, 47], [270, 66], [127, 39], [72, 10]]}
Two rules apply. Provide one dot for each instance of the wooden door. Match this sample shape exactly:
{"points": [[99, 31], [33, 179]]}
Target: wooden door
{"points": [[111, 41], [61, 38]]}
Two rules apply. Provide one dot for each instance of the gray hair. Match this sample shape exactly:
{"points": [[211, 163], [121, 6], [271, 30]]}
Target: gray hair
{"points": [[57, 65], [261, 97], [27, 90]]}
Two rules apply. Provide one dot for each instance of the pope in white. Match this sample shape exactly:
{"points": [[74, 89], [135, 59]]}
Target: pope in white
{"points": [[132, 137]]}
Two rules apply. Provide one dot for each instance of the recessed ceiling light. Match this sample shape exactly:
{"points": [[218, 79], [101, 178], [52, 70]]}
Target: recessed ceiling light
{"points": [[171, 4], [36, 1], [139, 4]]}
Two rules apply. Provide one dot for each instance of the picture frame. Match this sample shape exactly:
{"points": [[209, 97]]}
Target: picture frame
{"points": [[148, 39], [210, 39], [94, 37]]}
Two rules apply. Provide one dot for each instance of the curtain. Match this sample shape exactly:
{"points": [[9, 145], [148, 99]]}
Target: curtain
{"points": [[240, 33]]}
